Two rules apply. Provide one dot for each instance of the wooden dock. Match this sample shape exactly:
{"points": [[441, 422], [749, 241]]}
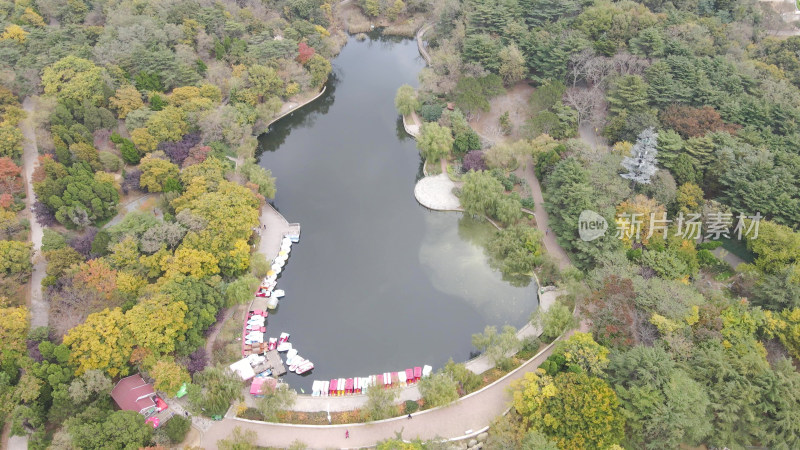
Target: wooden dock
{"points": [[275, 363], [293, 230]]}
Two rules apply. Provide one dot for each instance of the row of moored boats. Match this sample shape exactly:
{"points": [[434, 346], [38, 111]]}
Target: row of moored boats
{"points": [[359, 385], [255, 340], [270, 282], [255, 330]]}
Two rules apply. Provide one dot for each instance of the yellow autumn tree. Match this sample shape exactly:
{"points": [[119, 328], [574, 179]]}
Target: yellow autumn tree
{"points": [[581, 350], [689, 198], [125, 253], [190, 261], [74, 78], [126, 99], [156, 324], [786, 327], [169, 124], [572, 409], [143, 140], [169, 376], [14, 33], [129, 284], [211, 92], [156, 170], [634, 217], [31, 17], [100, 343], [190, 98], [230, 213], [13, 331], [153, 264]]}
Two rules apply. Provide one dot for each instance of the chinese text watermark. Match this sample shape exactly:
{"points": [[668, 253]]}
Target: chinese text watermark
{"points": [[635, 226]]}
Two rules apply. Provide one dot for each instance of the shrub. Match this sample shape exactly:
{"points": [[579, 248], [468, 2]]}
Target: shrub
{"points": [[82, 243], [430, 113], [129, 152], [706, 258], [109, 161], [198, 359], [44, 215], [473, 161], [528, 203], [467, 380], [131, 181], [52, 240], [410, 407], [710, 245], [466, 141], [176, 428], [100, 243]]}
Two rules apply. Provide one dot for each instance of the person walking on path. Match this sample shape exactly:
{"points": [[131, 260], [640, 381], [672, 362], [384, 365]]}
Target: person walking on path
{"points": [[409, 416], [347, 434]]}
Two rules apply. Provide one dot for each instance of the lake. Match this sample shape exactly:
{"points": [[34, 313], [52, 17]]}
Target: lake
{"points": [[377, 283]]}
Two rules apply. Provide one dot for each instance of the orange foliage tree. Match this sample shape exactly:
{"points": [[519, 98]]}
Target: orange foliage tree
{"points": [[693, 122]]}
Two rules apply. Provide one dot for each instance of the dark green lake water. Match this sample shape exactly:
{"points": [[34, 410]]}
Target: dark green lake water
{"points": [[377, 283]]}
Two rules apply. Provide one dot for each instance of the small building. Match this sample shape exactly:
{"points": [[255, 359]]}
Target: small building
{"points": [[243, 369], [262, 385], [133, 394]]}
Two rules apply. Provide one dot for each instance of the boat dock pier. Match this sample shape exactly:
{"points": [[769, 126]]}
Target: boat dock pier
{"points": [[275, 363]]}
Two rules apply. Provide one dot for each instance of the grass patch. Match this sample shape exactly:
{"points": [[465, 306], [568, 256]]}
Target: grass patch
{"points": [[432, 168], [407, 28]]}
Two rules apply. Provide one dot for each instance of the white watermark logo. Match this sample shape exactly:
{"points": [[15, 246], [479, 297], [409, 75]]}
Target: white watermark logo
{"points": [[591, 225], [718, 225]]}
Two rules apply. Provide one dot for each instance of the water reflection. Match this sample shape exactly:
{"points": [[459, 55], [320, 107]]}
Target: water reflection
{"points": [[377, 282], [453, 252], [303, 117]]}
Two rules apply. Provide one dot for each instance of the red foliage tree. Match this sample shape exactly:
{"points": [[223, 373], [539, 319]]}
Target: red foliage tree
{"points": [[10, 179], [691, 122], [6, 200], [613, 312], [197, 154], [304, 52]]}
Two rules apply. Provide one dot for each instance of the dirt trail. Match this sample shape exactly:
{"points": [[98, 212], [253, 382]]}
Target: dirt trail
{"points": [[542, 219], [38, 307]]}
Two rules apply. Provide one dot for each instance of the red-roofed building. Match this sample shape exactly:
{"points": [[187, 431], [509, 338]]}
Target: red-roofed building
{"points": [[133, 394]]}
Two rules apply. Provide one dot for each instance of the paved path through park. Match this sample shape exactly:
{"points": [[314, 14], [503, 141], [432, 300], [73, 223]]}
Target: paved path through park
{"points": [[38, 306], [525, 171], [466, 416]]}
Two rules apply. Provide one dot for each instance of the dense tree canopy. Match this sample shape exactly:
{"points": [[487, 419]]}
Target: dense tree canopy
{"points": [[575, 410]]}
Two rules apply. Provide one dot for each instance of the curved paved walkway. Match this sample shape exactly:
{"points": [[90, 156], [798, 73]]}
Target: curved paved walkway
{"points": [[465, 417], [479, 365], [422, 50], [542, 219], [133, 205], [38, 306], [413, 129], [290, 107]]}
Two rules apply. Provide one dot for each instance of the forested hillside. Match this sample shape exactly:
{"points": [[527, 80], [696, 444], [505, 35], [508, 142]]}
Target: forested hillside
{"points": [[146, 103], [689, 111], [670, 112]]}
